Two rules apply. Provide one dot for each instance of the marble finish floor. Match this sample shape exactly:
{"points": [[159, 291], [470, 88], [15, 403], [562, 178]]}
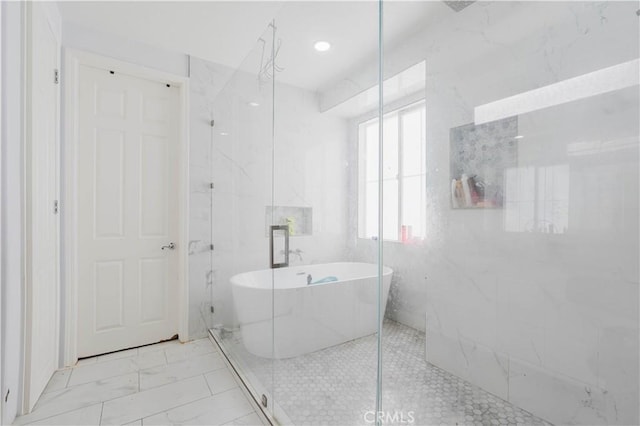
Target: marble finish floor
{"points": [[168, 383], [336, 386]]}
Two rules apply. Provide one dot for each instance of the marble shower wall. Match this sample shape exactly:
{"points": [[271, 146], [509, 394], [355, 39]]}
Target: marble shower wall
{"points": [[536, 302], [305, 166]]}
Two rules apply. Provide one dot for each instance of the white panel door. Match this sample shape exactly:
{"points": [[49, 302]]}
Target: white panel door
{"points": [[42, 293], [127, 211]]}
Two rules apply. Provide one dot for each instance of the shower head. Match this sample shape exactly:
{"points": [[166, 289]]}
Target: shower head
{"points": [[458, 5]]}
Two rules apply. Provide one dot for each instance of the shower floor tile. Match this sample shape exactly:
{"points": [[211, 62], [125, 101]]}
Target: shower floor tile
{"points": [[336, 386]]}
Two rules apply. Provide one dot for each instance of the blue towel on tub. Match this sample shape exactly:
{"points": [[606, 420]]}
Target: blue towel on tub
{"points": [[328, 279]]}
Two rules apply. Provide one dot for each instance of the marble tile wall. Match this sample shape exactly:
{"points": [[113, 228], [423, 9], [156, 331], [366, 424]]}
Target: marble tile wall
{"points": [[301, 161], [546, 320]]}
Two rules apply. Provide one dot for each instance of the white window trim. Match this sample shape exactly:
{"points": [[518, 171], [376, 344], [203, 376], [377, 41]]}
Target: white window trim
{"points": [[404, 106]]}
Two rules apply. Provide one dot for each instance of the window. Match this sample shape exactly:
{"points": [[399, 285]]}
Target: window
{"points": [[403, 177]]}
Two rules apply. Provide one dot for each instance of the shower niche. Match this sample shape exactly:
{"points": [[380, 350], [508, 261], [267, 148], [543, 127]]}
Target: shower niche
{"points": [[298, 219]]}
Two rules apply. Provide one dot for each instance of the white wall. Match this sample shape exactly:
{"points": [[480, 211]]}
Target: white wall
{"points": [[11, 208], [547, 321], [81, 38]]}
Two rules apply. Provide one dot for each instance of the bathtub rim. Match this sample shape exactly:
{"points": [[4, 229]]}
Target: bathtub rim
{"points": [[386, 271]]}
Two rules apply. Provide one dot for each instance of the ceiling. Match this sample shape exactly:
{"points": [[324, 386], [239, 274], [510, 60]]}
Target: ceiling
{"points": [[352, 29], [221, 31], [226, 31]]}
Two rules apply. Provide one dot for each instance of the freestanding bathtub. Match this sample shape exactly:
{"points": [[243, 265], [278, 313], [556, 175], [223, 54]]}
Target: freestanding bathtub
{"points": [[307, 317]]}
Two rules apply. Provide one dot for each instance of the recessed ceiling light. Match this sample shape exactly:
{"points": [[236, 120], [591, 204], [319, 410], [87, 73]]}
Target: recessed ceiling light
{"points": [[322, 46], [518, 137], [254, 104], [224, 134]]}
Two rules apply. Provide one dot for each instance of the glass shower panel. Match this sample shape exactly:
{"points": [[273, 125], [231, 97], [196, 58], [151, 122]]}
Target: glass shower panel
{"points": [[241, 168], [515, 297], [325, 300]]}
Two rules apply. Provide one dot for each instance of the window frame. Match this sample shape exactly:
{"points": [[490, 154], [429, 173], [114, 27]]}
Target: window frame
{"points": [[362, 145]]}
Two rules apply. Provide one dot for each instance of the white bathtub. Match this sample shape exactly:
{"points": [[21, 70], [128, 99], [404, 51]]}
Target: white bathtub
{"points": [[306, 317]]}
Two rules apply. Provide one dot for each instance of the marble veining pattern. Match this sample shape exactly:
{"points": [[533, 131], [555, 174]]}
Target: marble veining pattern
{"points": [[558, 312], [166, 383], [549, 283]]}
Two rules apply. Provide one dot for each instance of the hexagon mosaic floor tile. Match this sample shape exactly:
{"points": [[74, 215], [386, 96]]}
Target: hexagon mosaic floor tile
{"points": [[336, 386]]}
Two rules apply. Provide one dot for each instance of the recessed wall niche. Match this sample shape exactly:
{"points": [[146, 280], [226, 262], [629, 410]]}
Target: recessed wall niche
{"points": [[479, 157], [299, 219]]}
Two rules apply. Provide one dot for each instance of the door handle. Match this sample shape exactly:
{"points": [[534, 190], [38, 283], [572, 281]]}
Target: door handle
{"points": [[272, 229], [170, 246]]}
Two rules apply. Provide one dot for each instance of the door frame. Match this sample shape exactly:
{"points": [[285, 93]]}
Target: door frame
{"points": [[73, 59], [30, 121], [1, 219]]}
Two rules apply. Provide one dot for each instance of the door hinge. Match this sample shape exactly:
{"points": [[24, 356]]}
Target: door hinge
{"points": [[211, 247], [212, 123], [55, 207], [56, 76]]}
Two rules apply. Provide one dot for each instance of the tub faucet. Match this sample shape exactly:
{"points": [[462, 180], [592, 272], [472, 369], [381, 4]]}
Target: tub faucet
{"points": [[297, 252], [309, 279]]}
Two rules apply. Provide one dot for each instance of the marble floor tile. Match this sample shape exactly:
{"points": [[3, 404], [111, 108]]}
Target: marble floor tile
{"points": [[214, 410], [220, 380], [59, 380], [251, 420], [117, 367], [83, 416], [73, 398], [189, 350], [147, 403], [106, 389], [169, 373]]}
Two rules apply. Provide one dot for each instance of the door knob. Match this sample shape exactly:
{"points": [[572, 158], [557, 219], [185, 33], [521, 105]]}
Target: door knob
{"points": [[171, 246]]}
